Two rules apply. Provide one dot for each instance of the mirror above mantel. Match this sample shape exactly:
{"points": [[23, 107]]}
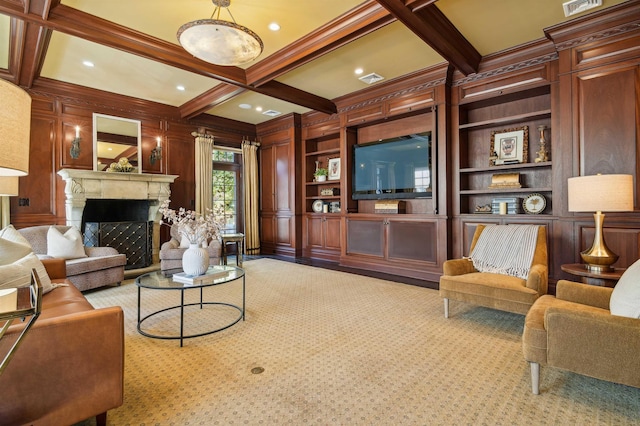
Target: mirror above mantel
{"points": [[115, 138]]}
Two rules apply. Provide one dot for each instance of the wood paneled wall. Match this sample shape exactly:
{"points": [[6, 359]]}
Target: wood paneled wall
{"points": [[57, 108]]}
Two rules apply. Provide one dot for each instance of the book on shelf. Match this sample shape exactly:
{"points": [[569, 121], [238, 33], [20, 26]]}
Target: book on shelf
{"points": [[212, 274]]}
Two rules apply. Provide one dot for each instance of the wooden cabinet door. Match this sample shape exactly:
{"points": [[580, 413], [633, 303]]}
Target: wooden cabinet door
{"points": [[267, 229], [267, 182], [607, 117], [412, 240], [366, 236], [332, 231], [281, 158], [314, 228]]}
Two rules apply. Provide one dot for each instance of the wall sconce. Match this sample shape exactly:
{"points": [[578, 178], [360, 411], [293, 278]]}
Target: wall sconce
{"points": [[156, 153], [75, 145]]}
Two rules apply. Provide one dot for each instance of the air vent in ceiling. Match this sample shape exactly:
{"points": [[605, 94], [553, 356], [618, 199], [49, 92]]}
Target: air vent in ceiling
{"points": [[371, 78], [271, 113], [574, 7]]}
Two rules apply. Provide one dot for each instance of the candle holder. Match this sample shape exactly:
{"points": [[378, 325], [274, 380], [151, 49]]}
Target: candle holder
{"points": [[543, 154]]}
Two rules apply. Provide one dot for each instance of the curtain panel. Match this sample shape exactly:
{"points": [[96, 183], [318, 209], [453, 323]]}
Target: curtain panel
{"points": [[251, 194], [204, 173]]}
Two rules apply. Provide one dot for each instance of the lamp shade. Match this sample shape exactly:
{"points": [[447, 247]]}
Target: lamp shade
{"points": [[220, 42], [601, 193], [9, 186], [15, 127]]}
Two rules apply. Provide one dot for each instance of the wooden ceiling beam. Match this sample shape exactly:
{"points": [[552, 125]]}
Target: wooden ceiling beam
{"points": [[430, 24], [281, 91], [209, 99], [356, 23], [28, 43]]}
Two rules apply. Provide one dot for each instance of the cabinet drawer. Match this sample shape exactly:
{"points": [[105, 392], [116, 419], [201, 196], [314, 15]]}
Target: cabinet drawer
{"points": [[410, 103], [364, 115]]}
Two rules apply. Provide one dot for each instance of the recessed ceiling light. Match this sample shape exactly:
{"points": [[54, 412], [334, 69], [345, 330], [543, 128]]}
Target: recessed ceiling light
{"points": [[180, 87], [259, 109], [245, 106], [358, 71], [274, 26], [88, 64]]}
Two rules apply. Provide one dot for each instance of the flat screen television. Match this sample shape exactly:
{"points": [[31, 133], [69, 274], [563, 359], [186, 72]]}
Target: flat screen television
{"points": [[399, 167]]}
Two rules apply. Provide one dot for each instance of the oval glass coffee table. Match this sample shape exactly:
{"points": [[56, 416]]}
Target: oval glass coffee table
{"points": [[163, 280]]}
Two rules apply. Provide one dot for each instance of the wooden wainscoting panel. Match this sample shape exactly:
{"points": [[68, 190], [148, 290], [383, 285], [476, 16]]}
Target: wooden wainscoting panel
{"points": [[607, 121]]}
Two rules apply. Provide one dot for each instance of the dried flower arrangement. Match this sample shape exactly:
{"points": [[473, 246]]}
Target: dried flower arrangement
{"points": [[195, 227]]}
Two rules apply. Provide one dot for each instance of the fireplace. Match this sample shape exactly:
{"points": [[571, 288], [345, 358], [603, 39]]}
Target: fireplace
{"points": [[123, 204], [123, 225]]}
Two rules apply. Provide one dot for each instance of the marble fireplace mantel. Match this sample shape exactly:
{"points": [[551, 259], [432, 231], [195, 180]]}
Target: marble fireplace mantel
{"points": [[83, 185]]}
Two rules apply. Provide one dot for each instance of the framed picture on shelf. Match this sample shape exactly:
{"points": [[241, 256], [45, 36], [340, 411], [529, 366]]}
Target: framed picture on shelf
{"points": [[334, 168], [509, 146]]}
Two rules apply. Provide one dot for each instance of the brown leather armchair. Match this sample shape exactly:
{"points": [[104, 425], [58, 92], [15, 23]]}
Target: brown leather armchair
{"points": [[462, 281], [575, 331]]}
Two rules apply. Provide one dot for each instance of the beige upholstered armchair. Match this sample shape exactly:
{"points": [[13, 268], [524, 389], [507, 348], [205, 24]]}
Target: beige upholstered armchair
{"points": [[464, 282], [576, 331], [171, 251]]}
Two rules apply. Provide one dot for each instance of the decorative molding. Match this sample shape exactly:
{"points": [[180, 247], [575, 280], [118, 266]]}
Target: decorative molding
{"points": [[599, 36], [507, 69], [384, 98], [315, 122]]}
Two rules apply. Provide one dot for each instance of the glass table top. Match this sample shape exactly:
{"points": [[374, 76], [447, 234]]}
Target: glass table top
{"points": [[162, 280]]}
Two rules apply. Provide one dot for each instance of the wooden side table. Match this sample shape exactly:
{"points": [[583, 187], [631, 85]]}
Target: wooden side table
{"points": [[602, 279], [238, 239]]}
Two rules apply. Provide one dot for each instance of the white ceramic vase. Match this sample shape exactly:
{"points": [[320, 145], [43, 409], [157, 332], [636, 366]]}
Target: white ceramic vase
{"points": [[321, 178], [195, 260]]}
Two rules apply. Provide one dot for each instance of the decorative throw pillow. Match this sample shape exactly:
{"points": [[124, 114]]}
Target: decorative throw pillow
{"points": [[13, 276], [65, 246], [11, 251], [184, 242], [625, 299], [30, 262], [10, 233]]}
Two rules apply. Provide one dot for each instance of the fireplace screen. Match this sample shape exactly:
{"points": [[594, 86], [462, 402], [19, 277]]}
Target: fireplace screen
{"points": [[134, 239]]}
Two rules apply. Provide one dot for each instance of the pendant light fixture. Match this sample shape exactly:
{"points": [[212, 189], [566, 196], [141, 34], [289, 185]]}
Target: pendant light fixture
{"points": [[220, 42]]}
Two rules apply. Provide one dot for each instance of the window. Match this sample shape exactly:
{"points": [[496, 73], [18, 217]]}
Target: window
{"points": [[227, 184], [422, 178]]}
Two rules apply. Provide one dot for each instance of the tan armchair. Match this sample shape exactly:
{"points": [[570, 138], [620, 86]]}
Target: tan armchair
{"points": [[575, 331], [171, 252], [463, 282]]}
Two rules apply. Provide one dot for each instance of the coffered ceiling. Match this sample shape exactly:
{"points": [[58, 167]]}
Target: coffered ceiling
{"points": [[305, 65]]}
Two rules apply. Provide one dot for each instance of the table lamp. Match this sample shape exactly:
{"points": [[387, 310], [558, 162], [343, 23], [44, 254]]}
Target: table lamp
{"points": [[598, 193], [8, 186]]}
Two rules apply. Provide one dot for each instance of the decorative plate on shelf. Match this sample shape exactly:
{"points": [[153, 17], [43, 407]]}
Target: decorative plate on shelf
{"points": [[317, 206], [534, 203]]}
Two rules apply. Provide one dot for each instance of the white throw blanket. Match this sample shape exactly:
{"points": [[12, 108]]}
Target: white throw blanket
{"points": [[505, 249]]}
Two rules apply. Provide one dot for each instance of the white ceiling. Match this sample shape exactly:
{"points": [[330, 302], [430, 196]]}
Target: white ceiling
{"points": [[489, 25]]}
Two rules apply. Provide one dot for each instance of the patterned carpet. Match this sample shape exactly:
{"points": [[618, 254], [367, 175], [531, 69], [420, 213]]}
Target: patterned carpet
{"points": [[343, 349]]}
